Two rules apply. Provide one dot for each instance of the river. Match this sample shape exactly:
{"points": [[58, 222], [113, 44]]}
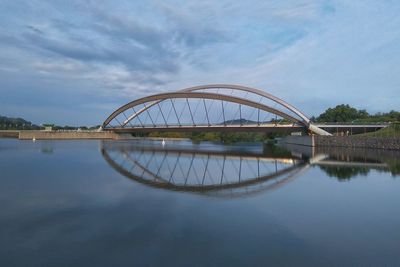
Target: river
{"points": [[142, 203]]}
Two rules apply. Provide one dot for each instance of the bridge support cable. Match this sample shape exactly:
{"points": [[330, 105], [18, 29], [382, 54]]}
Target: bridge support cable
{"points": [[123, 113], [195, 173], [258, 112], [205, 108], [205, 169], [148, 114], [240, 168], [168, 166], [209, 108], [182, 111], [150, 159], [162, 163], [162, 115], [190, 111], [169, 113], [223, 112], [120, 124], [222, 169], [173, 170], [176, 113], [190, 167], [196, 108], [140, 121], [240, 115]]}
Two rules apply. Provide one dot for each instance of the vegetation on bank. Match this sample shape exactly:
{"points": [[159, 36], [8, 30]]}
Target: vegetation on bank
{"points": [[8, 123], [16, 124], [346, 113]]}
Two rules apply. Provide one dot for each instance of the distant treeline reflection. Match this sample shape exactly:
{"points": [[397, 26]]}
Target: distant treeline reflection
{"points": [[345, 173], [377, 160]]}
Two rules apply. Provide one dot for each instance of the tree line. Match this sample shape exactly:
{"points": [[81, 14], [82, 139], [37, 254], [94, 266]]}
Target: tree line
{"points": [[9, 123], [346, 113]]}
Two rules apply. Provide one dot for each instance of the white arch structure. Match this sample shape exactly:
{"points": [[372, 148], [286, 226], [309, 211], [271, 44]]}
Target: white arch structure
{"points": [[207, 92]]}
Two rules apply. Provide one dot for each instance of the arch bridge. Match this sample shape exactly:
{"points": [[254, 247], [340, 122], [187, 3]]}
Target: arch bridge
{"points": [[215, 107]]}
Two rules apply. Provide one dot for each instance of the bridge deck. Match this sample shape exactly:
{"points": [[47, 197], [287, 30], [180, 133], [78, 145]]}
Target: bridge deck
{"points": [[246, 128], [214, 128]]}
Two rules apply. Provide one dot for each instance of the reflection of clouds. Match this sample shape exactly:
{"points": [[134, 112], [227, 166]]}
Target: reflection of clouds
{"points": [[139, 229], [73, 209]]}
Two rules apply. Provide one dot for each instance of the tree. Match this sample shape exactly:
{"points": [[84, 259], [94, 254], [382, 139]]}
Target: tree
{"points": [[342, 113]]}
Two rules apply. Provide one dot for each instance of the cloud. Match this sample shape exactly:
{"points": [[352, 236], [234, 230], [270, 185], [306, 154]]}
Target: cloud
{"points": [[313, 53]]}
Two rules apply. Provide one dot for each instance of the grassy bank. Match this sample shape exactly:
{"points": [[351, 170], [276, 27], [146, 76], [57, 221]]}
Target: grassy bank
{"points": [[393, 130]]}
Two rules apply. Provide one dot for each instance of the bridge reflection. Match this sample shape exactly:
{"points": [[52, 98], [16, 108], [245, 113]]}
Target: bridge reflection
{"points": [[224, 171], [211, 172]]}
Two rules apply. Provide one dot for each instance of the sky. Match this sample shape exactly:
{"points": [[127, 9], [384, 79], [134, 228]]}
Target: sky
{"points": [[74, 62]]}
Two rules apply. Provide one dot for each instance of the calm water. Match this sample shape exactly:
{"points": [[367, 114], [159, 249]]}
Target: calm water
{"points": [[92, 203]]}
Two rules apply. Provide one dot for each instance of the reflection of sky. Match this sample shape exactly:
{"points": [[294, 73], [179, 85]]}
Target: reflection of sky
{"points": [[70, 207], [74, 62]]}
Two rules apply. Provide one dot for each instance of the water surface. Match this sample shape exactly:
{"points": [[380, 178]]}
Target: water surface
{"points": [[93, 203]]}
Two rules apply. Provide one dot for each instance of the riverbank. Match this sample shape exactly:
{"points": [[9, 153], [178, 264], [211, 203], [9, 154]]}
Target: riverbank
{"points": [[75, 135], [392, 143], [9, 134], [57, 135]]}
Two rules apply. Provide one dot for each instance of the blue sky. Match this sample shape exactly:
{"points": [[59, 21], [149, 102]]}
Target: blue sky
{"points": [[74, 62]]}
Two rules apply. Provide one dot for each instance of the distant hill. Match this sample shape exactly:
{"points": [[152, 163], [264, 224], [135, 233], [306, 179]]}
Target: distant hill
{"points": [[7, 123]]}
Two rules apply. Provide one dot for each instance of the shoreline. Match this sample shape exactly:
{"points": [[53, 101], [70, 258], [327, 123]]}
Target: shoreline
{"points": [[75, 135], [388, 143]]}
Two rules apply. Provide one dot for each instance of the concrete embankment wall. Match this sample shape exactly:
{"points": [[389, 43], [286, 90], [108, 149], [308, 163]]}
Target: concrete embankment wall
{"points": [[9, 134], [43, 135], [74, 135], [345, 141], [358, 141]]}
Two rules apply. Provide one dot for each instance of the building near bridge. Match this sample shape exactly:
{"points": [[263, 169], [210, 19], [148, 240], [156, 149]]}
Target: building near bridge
{"points": [[48, 127]]}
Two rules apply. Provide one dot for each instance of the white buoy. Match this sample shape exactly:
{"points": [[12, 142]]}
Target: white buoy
{"points": [[163, 142], [34, 139]]}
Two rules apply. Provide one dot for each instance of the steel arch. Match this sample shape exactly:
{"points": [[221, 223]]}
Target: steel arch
{"points": [[190, 95], [193, 92], [254, 91]]}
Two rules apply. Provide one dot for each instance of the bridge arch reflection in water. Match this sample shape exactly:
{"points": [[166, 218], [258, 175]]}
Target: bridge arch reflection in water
{"points": [[209, 172]]}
